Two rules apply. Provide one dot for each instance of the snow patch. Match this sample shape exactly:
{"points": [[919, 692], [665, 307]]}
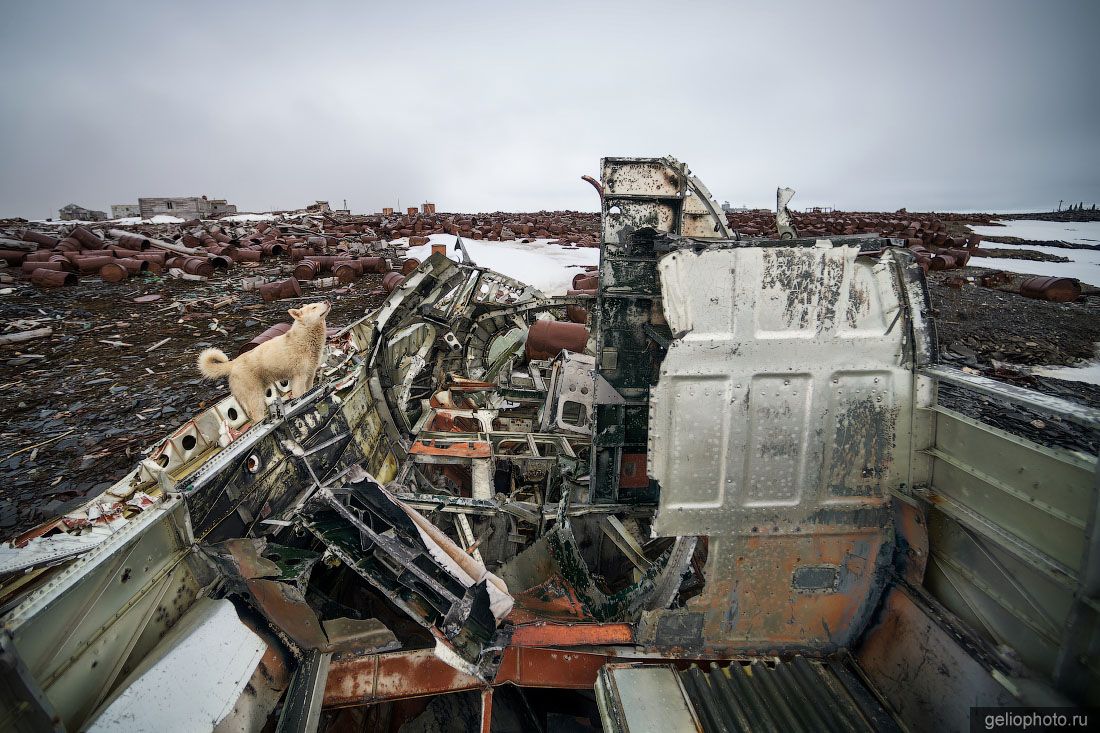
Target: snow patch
{"points": [[1084, 264], [248, 217], [1071, 232], [1089, 373], [539, 263], [158, 219]]}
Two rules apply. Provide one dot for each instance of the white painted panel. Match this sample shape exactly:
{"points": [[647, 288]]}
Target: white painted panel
{"points": [[191, 680]]}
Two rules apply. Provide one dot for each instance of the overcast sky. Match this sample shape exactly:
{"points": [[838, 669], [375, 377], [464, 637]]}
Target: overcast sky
{"points": [[481, 106]]}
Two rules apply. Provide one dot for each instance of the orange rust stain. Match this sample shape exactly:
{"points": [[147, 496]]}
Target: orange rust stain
{"points": [[552, 634], [455, 449], [392, 676], [552, 600]]}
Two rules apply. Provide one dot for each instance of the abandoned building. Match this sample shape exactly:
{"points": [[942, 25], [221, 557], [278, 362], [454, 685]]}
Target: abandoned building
{"points": [[185, 207], [122, 211], [72, 212]]}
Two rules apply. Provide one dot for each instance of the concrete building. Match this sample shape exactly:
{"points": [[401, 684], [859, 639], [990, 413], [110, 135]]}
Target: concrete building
{"points": [[72, 212], [185, 207], [122, 211]]}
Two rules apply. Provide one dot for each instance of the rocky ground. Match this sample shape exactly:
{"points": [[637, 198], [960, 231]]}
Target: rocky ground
{"points": [[80, 405], [1002, 333], [99, 390]]}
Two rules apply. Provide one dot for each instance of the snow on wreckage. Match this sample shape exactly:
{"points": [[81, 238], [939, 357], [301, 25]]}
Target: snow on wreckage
{"points": [[708, 473]]}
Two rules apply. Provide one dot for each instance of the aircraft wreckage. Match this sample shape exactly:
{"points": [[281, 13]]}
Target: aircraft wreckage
{"points": [[743, 495]]}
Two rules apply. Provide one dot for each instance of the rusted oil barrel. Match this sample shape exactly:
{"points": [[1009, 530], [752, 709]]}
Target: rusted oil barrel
{"points": [[357, 264], [409, 265], [220, 262], [117, 251], [113, 272], [546, 338], [44, 240], [246, 255], [157, 257], [391, 281], [277, 330], [214, 248], [42, 255], [376, 265], [274, 249], [197, 266], [66, 263], [133, 266], [68, 244], [288, 288], [586, 282], [1057, 289], [92, 264], [324, 263], [576, 313], [347, 272], [53, 278], [134, 241], [14, 256], [29, 268], [299, 253], [942, 261], [961, 256], [87, 239], [306, 270]]}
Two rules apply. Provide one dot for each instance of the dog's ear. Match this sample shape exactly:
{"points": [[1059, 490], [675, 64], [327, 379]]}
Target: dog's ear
{"points": [[295, 313]]}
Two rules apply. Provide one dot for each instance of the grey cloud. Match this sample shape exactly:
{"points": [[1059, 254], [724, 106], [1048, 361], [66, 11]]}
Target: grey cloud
{"points": [[481, 106]]}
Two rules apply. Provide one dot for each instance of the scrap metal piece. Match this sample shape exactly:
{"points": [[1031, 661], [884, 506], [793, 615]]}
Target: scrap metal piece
{"points": [[796, 695], [571, 394], [643, 197], [621, 537], [306, 694], [23, 706], [413, 564], [784, 222], [461, 246], [153, 698]]}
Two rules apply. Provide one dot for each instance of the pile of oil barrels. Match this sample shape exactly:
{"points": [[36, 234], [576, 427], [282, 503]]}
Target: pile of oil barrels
{"points": [[61, 261]]}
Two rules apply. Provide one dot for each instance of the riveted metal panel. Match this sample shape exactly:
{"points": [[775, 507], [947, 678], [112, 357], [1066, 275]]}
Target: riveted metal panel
{"points": [[788, 391], [779, 426]]}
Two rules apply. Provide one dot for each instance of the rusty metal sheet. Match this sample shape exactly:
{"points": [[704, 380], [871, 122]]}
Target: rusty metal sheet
{"points": [[376, 677], [912, 636], [557, 634], [537, 667], [462, 449]]}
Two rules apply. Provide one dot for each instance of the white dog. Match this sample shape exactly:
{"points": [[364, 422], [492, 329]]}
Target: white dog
{"points": [[294, 356]]}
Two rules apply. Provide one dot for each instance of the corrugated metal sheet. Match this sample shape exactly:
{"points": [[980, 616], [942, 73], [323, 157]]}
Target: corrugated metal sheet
{"points": [[798, 695]]}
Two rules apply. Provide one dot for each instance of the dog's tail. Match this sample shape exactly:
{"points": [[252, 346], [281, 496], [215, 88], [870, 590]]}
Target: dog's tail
{"points": [[213, 363]]}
